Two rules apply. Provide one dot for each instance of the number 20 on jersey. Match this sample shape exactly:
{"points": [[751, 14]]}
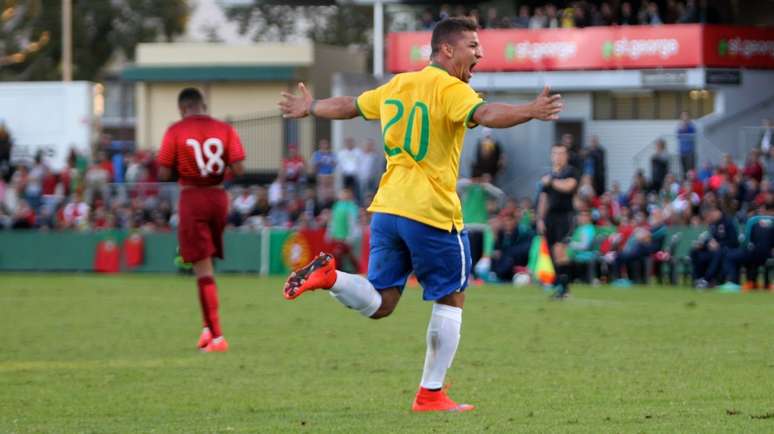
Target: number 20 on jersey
{"points": [[424, 129]]}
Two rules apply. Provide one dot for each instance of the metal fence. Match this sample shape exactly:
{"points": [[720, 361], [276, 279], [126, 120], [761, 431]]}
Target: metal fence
{"points": [[706, 151], [127, 191], [750, 138], [265, 137]]}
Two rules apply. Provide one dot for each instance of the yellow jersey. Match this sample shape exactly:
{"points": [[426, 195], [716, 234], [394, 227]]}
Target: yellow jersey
{"points": [[424, 116]]}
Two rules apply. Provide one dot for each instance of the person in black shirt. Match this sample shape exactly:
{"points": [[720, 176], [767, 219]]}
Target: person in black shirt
{"points": [[489, 157], [709, 250], [659, 166], [511, 247], [556, 213], [596, 165], [6, 143], [574, 153]]}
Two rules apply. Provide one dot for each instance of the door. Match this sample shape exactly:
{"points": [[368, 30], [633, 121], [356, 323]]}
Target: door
{"points": [[569, 127]]}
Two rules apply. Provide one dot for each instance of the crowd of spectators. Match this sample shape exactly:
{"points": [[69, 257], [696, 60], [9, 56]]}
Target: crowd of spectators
{"points": [[119, 192], [619, 227], [122, 191], [579, 14]]}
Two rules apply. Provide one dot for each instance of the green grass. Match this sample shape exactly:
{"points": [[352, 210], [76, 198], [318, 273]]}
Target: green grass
{"points": [[99, 354]]}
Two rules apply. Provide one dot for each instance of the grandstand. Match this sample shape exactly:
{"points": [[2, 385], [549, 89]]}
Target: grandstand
{"points": [[628, 97]]}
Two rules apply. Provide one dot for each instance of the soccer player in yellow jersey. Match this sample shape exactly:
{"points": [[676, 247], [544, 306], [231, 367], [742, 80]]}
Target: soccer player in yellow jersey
{"points": [[417, 218]]}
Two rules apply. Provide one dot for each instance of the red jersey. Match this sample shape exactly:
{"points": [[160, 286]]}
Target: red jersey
{"points": [[200, 148], [294, 168]]}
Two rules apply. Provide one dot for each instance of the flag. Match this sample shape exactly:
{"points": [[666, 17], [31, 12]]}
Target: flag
{"points": [[295, 248], [134, 251], [107, 258], [540, 265]]}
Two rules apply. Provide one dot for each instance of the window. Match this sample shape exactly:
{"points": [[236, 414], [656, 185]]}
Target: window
{"points": [[648, 104]]}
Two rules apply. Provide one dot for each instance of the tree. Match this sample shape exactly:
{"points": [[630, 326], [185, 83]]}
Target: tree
{"points": [[343, 25], [31, 34], [346, 24], [266, 22]]}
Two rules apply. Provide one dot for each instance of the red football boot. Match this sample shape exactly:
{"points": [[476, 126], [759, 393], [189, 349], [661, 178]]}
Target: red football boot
{"points": [[217, 345], [438, 400], [204, 338], [318, 274]]}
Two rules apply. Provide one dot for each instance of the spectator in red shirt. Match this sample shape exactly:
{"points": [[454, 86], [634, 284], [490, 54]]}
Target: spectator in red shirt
{"points": [[731, 169], [49, 183], [76, 213], [602, 217], [104, 163], [294, 165], [98, 176], [696, 185], [612, 207], [24, 216], [753, 168], [615, 241], [718, 179], [101, 218]]}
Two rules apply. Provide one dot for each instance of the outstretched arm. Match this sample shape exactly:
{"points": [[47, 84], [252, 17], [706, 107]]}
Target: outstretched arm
{"points": [[302, 105], [545, 107]]}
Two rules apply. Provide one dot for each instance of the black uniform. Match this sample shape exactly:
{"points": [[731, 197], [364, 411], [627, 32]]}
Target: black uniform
{"points": [[560, 213]]}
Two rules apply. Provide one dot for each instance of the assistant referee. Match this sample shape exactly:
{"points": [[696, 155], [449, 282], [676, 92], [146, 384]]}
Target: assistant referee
{"points": [[556, 214]]}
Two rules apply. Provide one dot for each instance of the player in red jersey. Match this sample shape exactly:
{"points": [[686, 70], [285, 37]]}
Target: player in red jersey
{"points": [[200, 148]]}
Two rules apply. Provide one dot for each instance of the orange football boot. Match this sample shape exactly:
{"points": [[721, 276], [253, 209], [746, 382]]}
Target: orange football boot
{"points": [[217, 345], [438, 400], [318, 274], [204, 338]]}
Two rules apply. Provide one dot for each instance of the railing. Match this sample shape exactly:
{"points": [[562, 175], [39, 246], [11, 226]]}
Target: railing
{"points": [[720, 122], [265, 137], [750, 138], [127, 191], [706, 151]]}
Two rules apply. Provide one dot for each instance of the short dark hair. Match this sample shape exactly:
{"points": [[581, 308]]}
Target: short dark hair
{"points": [[449, 29], [190, 96]]}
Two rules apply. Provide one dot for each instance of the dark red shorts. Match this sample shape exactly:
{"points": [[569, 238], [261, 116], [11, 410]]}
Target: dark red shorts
{"points": [[203, 213]]}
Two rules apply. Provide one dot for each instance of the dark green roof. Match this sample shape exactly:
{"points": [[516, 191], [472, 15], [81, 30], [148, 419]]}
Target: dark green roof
{"points": [[209, 73]]}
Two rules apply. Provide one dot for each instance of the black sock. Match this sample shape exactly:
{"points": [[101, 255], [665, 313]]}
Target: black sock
{"points": [[564, 275]]}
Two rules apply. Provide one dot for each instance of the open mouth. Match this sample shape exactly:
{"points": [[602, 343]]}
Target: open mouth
{"points": [[472, 65]]}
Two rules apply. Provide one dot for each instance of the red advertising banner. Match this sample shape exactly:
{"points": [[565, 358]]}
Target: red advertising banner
{"points": [[624, 47], [734, 47]]}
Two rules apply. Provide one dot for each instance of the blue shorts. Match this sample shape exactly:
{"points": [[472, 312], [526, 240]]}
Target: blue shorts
{"points": [[439, 259]]}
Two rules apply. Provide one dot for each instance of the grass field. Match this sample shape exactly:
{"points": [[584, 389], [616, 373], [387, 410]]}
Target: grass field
{"points": [[98, 354]]}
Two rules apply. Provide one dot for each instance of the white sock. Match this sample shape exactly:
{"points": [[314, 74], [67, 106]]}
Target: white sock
{"points": [[443, 336], [356, 292]]}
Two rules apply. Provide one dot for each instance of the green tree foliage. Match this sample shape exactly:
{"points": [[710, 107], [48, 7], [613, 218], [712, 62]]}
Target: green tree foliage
{"points": [[31, 34], [345, 24]]}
